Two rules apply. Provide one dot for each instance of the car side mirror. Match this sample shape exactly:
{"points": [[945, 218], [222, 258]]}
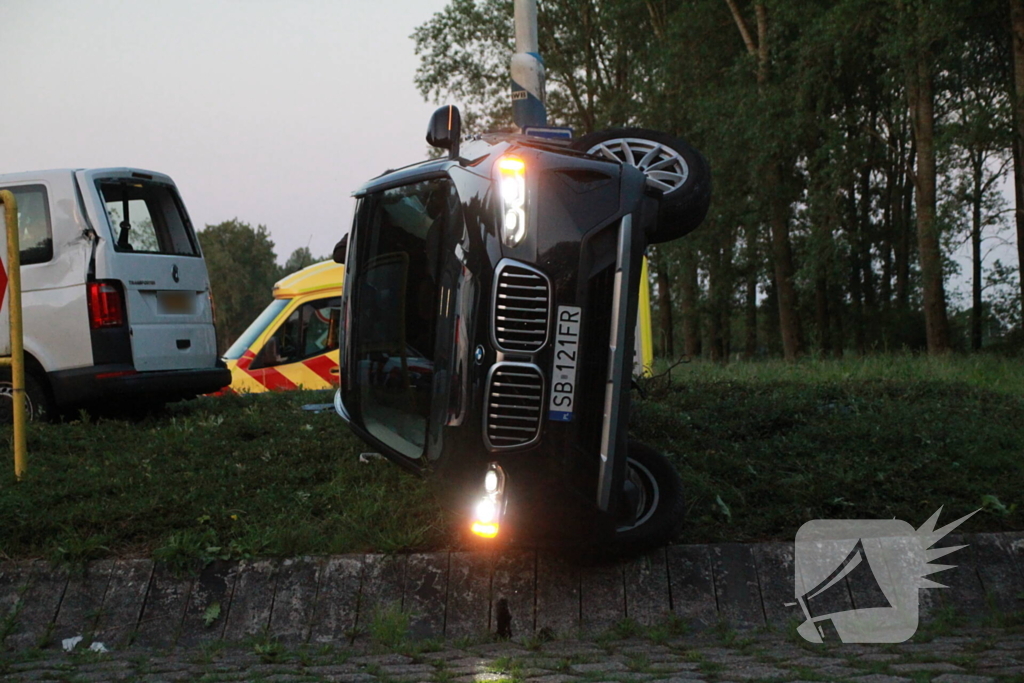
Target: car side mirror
{"points": [[341, 250], [445, 130]]}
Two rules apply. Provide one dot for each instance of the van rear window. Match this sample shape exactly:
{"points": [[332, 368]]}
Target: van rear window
{"points": [[146, 218]]}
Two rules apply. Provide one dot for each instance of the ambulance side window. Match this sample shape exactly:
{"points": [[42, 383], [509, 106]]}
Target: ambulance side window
{"points": [[304, 334]]}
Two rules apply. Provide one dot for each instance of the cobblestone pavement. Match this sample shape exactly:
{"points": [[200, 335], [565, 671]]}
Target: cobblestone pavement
{"points": [[967, 655]]}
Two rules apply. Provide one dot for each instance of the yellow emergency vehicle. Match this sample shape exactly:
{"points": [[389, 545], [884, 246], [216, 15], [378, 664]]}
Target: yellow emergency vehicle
{"points": [[293, 343]]}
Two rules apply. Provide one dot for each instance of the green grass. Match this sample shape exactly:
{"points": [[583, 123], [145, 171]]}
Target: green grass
{"points": [[226, 477], [760, 453], [761, 447]]}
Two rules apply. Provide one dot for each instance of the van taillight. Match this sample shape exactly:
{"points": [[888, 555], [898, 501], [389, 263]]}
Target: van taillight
{"points": [[106, 305]]}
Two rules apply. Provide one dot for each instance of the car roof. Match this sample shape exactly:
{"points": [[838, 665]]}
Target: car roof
{"points": [[319, 276], [52, 174]]}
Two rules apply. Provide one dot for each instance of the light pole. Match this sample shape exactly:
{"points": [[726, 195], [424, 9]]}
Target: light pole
{"points": [[527, 69]]}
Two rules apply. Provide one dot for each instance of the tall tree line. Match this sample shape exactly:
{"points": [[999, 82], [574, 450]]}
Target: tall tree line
{"points": [[855, 145]]}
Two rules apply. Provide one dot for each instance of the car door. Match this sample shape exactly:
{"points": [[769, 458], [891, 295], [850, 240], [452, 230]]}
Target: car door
{"points": [[302, 350], [151, 252]]}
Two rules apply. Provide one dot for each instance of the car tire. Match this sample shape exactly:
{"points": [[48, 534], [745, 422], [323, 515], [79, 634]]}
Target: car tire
{"points": [[672, 167], [660, 507], [39, 406]]}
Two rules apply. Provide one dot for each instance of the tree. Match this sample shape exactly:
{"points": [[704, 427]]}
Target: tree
{"points": [[243, 269], [300, 258]]}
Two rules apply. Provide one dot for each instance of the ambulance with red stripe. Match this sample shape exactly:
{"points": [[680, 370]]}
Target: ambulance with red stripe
{"points": [[293, 343]]}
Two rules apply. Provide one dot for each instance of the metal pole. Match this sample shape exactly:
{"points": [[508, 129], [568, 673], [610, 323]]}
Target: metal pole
{"points": [[17, 339], [527, 69]]}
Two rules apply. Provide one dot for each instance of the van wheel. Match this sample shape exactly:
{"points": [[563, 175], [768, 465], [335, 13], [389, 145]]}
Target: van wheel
{"points": [[660, 506], [672, 167], [38, 404]]}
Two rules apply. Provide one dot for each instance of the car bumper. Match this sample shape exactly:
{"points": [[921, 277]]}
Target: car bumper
{"points": [[118, 382]]}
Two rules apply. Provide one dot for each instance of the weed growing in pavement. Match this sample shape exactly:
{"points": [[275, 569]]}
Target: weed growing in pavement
{"points": [[389, 626], [269, 650], [638, 662]]}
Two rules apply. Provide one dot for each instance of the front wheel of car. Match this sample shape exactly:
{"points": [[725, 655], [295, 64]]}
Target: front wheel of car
{"points": [[674, 169], [658, 497]]}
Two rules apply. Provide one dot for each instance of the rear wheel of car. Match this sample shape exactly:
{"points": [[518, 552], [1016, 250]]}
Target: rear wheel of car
{"points": [[38, 404], [675, 169], [660, 506]]}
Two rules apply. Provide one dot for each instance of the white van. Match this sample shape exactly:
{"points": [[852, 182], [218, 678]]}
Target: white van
{"points": [[116, 297]]}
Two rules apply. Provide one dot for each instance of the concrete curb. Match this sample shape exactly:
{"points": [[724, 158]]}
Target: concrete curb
{"points": [[451, 594]]}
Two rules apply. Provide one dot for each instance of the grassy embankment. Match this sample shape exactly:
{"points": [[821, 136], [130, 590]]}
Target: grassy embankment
{"points": [[761, 448]]}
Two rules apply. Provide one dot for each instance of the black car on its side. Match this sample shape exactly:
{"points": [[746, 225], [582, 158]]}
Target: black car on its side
{"points": [[487, 325]]}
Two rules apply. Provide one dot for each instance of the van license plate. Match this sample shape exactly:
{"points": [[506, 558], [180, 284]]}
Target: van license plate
{"points": [[176, 302], [563, 372]]}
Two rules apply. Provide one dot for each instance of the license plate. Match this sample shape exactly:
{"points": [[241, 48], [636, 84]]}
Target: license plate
{"points": [[176, 302], [563, 371]]}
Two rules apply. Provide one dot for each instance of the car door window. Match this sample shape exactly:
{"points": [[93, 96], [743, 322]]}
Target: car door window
{"points": [[305, 333], [396, 310], [34, 234]]}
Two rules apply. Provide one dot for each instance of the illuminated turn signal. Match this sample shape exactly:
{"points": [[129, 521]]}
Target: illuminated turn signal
{"points": [[485, 530]]}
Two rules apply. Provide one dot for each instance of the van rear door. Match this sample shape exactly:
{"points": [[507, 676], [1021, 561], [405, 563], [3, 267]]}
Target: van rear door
{"points": [[148, 245]]}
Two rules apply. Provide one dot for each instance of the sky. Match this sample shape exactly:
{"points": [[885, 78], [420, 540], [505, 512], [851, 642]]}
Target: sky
{"points": [[271, 111]]}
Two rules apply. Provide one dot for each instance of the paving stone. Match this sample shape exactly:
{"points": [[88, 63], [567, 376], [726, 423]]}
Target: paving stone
{"points": [[211, 590], [163, 608], [426, 587], [38, 605], [403, 669], [513, 581], [252, 600], [598, 667], [995, 659], [553, 678], [751, 672], [350, 678], [483, 677], [673, 667], [329, 669], [774, 563], [82, 601], [1001, 576], [294, 598], [839, 671], [381, 660], [816, 662], [923, 666], [558, 595], [382, 587], [965, 592], [878, 657], [962, 678], [692, 585], [680, 679], [337, 600], [647, 590], [122, 601], [880, 678], [602, 597], [929, 648], [469, 595]]}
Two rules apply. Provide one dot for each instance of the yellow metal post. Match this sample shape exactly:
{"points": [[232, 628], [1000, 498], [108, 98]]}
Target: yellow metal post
{"points": [[17, 340]]}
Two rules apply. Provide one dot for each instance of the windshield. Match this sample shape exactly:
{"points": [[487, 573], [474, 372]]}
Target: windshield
{"points": [[146, 217], [254, 330], [395, 312]]}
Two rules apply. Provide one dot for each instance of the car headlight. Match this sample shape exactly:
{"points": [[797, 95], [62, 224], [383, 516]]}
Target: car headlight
{"points": [[512, 184]]}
